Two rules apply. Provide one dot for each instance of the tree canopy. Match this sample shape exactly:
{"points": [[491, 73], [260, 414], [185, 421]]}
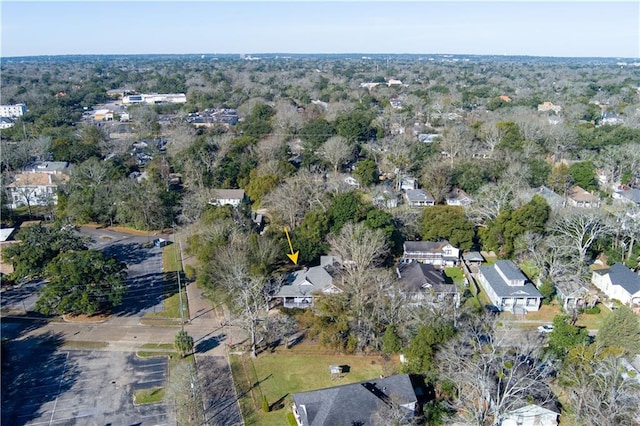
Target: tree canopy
{"points": [[82, 282], [38, 245], [447, 223]]}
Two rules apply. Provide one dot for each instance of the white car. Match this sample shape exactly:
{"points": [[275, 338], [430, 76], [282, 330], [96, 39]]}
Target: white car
{"points": [[545, 329]]}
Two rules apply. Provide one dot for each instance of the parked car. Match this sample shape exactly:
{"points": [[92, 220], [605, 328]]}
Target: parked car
{"points": [[492, 309], [545, 328]]}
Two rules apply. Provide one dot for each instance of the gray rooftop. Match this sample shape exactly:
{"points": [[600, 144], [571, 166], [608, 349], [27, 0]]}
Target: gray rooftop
{"points": [[473, 256], [47, 166], [510, 270], [229, 194], [353, 404], [622, 276], [417, 195], [425, 246], [632, 194], [501, 288], [416, 277], [306, 281]]}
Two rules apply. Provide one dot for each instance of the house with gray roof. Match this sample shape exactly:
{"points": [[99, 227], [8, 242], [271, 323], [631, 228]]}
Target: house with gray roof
{"points": [[301, 287], [554, 200], [232, 197], [356, 403], [419, 198], [508, 288], [628, 196], [618, 282], [424, 283], [439, 253]]}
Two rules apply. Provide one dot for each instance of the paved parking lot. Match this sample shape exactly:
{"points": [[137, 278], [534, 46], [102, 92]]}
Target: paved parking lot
{"points": [[81, 388]]}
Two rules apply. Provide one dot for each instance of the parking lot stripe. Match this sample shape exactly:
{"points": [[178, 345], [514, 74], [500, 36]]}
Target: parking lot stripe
{"points": [[64, 370]]}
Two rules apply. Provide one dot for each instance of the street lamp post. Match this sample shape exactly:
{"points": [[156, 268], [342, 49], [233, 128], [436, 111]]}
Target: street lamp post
{"points": [[175, 254]]}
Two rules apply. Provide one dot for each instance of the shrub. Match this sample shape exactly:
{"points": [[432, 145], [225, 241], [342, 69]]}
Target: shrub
{"points": [[265, 404], [591, 311]]}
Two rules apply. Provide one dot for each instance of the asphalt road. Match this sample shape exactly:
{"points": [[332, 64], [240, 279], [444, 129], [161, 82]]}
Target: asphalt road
{"points": [[145, 292]]}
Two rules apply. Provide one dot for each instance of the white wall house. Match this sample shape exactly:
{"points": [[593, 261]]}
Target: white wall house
{"points": [[508, 288], [618, 282], [530, 415], [232, 197], [438, 253], [35, 189]]}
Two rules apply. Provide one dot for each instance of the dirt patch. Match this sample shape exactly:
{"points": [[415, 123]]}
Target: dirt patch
{"points": [[86, 318]]}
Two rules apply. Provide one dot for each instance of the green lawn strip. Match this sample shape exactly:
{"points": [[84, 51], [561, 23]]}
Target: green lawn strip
{"points": [[278, 375], [168, 346], [171, 258], [73, 344], [148, 396]]}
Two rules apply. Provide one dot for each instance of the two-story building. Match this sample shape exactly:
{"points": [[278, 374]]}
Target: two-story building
{"points": [[508, 288], [438, 253]]}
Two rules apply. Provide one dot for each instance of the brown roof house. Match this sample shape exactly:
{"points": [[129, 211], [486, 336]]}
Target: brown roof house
{"points": [[35, 188], [578, 197]]}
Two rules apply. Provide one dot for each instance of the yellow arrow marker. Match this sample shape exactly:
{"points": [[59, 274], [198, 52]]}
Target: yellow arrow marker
{"points": [[293, 256]]}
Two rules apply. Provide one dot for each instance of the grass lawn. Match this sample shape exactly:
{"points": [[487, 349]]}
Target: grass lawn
{"points": [[171, 258], [148, 396], [594, 321], [280, 374], [455, 274]]}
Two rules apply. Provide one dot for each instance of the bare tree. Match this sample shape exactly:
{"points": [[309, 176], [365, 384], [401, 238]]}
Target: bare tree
{"points": [[336, 150], [292, 199], [358, 246], [492, 377], [489, 201], [599, 389], [436, 177], [184, 394], [181, 138], [580, 228]]}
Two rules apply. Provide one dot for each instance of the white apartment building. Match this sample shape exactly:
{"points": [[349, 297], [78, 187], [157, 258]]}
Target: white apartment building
{"points": [[12, 111]]}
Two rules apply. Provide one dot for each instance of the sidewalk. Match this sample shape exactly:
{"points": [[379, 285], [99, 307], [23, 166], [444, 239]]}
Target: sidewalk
{"points": [[207, 323]]}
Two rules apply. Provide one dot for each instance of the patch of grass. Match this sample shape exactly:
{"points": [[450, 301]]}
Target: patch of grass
{"points": [[455, 274], [157, 346], [278, 375], [171, 258], [171, 304], [529, 269], [148, 396], [594, 321], [71, 344]]}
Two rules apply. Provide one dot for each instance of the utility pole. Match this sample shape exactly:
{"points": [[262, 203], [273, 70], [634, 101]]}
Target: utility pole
{"points": [[175, 254]]}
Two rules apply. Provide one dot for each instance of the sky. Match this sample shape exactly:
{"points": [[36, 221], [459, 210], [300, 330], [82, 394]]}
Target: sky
{"points": [[533, 28]]}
